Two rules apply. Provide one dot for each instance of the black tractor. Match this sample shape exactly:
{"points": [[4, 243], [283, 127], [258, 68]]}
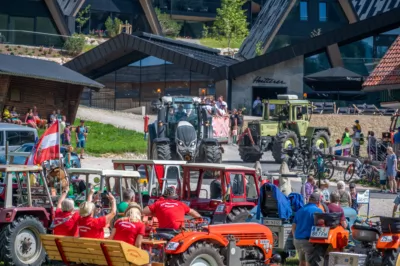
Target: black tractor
{"points": [[183, 131]]}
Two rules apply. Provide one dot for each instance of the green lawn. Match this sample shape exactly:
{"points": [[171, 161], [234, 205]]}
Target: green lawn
{"points": [[88, 47], [222, 43], [105, 138]]}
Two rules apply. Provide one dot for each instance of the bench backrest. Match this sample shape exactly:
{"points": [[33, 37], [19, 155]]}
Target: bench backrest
{"points": [[93, 251]]}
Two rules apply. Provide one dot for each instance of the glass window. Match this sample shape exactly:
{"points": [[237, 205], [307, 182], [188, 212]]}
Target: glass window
{"points": [[18, 24], [303, 11], [237, 184], [322, 12], [3, 26], [17, 138], [1, 138], [251, 189], [45, 25]]}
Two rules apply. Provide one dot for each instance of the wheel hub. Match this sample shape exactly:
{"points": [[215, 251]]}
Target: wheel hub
{"points": [[203, 260], [27, 246]]}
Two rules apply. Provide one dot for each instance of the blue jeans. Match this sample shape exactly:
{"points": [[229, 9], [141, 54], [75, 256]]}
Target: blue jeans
{"points": [[81, 143]]}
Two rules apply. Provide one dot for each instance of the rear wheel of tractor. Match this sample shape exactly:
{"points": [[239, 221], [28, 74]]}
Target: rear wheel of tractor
{"points": [[212, 154], [21, 244], [199, 254], [391, 258], [320, 139], [319, 255], [161, 151], [282, 141], [237, 215], [249, 157]]}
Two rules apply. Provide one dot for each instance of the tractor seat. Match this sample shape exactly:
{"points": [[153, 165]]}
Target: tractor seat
{"points": [[365, 228], [165, 233]]}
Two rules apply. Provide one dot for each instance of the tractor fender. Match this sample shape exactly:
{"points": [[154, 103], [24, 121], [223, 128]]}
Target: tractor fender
{"points": [[187, 239], [10, 214], [161, 140], [311, 130], [209, 141]]}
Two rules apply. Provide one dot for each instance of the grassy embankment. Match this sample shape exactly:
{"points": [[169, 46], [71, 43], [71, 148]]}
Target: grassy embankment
{"points": [[105, 138]]}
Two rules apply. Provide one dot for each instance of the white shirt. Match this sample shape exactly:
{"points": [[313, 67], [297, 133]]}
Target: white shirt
{"points": [[221, 105], [356, 139]]}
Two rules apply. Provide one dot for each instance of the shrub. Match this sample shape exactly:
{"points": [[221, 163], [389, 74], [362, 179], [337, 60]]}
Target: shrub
{"points": [[74, 45], [41, 48], [112, 26], [7, 46]]}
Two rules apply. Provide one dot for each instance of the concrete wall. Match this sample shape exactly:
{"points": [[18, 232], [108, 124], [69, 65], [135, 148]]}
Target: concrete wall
{"points": [[290, 72]]}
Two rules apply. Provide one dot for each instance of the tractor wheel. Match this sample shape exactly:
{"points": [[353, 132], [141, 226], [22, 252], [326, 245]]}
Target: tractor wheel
{"points": [[319, 255], [390, 257], [249, 157], [282, 141], [21, 244], [212, 154], [199, 254], [320, 138], [237, 215], [161, 151]]}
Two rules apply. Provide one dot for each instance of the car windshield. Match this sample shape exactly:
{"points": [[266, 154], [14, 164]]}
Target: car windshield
{"points": [[182, 112], [24, 148]]}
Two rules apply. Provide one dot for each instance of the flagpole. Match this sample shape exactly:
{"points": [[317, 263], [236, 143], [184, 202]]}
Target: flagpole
{"points": [[59, 157]]}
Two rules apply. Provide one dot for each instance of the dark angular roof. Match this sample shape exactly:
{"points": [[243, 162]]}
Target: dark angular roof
{"points": [[366, 9], [125, 49], [42, 69], [70, 7], [386, 74]]}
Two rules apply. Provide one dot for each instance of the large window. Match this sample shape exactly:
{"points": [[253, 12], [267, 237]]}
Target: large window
{"points": [[22, 30], [322, 12], [45, 25], [303, 10]]}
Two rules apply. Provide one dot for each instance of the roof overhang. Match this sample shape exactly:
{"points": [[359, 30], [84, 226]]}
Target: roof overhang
{"points": [[381, 87]]}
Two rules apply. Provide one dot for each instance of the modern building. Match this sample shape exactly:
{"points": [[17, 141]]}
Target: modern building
{"points": [[49, 22]]}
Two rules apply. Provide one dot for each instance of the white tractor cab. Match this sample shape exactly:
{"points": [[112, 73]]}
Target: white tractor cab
{"points": [[113, 181], [160, 175]]}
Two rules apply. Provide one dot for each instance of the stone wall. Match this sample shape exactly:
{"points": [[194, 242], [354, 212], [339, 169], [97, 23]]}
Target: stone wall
{"points": [[291, 72]]}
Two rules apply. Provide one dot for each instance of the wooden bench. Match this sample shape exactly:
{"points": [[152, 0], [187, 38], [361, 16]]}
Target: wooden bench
{"points": [[93, 251]]}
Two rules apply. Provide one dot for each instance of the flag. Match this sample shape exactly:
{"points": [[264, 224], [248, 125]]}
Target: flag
{"points": [[48, 147]]}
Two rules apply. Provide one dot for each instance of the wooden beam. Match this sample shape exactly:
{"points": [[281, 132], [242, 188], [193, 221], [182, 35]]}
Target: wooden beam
{"points": [[57, 17], [334, 55], [348, 11], [151, 16]]}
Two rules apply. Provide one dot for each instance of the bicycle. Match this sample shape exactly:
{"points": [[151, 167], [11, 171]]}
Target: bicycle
{"points": [[321, 165], [363, 170]]}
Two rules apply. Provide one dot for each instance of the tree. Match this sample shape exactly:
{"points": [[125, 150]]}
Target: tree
{"points": [[169, 26], [82, 17], [112, 26], [231, 21]]}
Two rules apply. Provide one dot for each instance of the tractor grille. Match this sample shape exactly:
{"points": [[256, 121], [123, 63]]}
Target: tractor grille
{"points": [[246, 236]]}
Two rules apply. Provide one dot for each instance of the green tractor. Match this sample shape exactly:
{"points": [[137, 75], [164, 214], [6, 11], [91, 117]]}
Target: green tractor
{"points": [[285, 125]]}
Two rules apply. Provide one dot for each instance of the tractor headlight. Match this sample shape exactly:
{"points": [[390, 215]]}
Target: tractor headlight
{"points": [[193, 144], [180, 143], [172, 246]]}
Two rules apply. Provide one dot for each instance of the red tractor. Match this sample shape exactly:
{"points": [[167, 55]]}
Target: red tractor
{"points": [[224, 192], [394, 125], [25, 213]]}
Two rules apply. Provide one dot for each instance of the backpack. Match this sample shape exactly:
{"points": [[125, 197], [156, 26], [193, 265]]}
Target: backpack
{"points": [[361, 138]]}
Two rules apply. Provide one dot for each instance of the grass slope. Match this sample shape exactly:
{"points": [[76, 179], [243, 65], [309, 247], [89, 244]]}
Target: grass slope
{"points": [[222, 43], [106, 138]]}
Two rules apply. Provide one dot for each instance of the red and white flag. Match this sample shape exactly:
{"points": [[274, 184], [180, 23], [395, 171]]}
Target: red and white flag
{"points": [[48, 147]]}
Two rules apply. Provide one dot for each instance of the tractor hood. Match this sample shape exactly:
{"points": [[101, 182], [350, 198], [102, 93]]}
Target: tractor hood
{"points": [[241, 230], [186, 141]]}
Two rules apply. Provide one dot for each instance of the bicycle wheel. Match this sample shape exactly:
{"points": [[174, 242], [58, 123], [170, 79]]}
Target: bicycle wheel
{"points": [[364, 175], [349, 173], [329, 169], [305, 167], [312, 170]]}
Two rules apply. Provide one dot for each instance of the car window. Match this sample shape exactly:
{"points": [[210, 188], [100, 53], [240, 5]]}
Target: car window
{"points": [[251, 189], [24, 148], [18, 138]]}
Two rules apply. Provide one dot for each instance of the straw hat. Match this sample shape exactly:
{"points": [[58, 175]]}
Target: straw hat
{"points": [[133, 205], [86, 209]]}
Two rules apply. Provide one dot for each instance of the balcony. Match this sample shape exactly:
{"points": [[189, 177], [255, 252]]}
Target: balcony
{"points": [[197, 10]]}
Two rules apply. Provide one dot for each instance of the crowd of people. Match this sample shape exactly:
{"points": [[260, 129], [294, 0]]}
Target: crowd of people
{"points": [[90, 222]]}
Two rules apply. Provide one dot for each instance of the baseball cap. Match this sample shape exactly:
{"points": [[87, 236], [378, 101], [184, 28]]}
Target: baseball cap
{"points": [[352, 185], [357, 121], [316, 197]]}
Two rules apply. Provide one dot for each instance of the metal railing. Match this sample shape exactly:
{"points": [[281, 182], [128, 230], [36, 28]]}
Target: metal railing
{"points": [[31, 38]]}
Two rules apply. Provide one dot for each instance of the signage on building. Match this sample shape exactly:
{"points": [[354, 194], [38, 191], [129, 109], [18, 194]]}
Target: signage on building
{"points": [[268, 81]]}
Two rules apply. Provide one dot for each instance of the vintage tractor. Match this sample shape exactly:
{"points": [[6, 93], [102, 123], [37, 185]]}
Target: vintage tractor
{"points": [[387, 137], [285, 125], [224, 192], [25, 213], [185, 131], [159, 175]]}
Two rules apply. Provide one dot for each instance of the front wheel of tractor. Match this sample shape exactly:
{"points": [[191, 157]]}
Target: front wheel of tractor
{"points": [[199, 254]]}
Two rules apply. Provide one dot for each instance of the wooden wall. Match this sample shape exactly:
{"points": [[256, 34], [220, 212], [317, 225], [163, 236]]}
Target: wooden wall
{"points": [[47, 96]]}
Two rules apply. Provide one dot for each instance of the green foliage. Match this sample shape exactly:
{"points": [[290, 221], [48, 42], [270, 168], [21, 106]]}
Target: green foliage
{"points": [[169, 26], [220, 42], [231, 21], [74, 44], [259, 49], [112, 26], [83, 17], [206, 31]]}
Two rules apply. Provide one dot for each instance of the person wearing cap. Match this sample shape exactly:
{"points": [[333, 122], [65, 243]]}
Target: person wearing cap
{"points": [[130, 228], [357, 125], [301, 228], [65, 221], [170, 213], [81, 137], [334, 206], [94, 227]]}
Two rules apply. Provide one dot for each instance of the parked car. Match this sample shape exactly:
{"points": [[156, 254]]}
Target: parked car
{"points": [[16, 136], [27, 147]]}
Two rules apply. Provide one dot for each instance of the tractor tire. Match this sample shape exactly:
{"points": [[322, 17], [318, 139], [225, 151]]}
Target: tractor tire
{"points": [[249, 157], [237, 215], [212, 154], [318, 257], [21, 244], [200, 253], [279, 143], [161, 151], [320, 136], [390, 257]]}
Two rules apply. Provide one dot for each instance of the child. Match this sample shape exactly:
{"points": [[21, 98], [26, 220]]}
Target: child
{"points": [[68, 157], [67, 135], [338, 144], [382, 176], [325, 191]]}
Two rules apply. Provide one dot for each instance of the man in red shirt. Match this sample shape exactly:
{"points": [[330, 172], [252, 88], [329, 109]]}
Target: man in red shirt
{"points": [[66, 219], [94, 227], [130, 229], [334, 206], [170, 213]]}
